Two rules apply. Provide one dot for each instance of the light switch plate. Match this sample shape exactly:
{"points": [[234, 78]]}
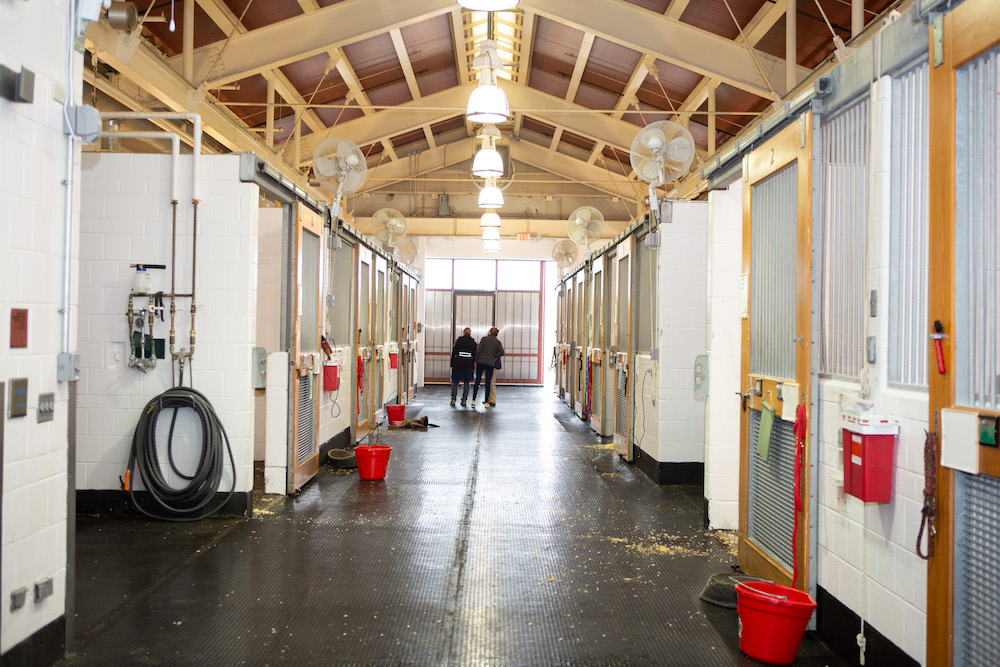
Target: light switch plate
{"points": [[46, 407]]}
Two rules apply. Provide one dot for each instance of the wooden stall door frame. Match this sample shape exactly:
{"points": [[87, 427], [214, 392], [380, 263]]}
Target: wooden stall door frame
{"points": [[625, 355], [582, 339], [307, 222], [379, 320], [969, 30], [597, 338], [793, 144], [364, 347]]}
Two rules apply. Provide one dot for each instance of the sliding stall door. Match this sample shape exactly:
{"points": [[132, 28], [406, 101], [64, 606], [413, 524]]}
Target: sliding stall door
{"points": [[622, 264], [963, 597], [380, 316], [365, 342], [776, 297], [308, 319]]}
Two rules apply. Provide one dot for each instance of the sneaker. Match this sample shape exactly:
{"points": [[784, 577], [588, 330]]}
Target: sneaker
{"points": [[485, 404], [453, 402], [463, 404], [472, 404], [493, 405]]}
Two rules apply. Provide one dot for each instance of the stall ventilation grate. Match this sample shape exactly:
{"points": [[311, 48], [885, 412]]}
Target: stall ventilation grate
{"points": [[771, 510], [621, 416], [307, 420], [977, 551]]}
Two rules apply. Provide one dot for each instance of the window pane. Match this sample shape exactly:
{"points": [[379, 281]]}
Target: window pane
{"points": [[476, 274], [520, 276], [437, 274]]}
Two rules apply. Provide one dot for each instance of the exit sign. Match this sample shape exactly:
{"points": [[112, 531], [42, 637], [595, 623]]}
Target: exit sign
{"points": [[524, 237]]}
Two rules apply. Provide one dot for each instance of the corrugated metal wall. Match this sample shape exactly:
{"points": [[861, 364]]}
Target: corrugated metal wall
{"points": [[976, 239], [771, 509], [977, 598], [518, 321], [438, 340], [773, 276], [843, 165], [908, 228]]}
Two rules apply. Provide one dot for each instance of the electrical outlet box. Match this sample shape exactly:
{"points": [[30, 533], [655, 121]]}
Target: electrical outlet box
{"points": [[18, 398], [18, 597], [46, 407], [988, 431]]}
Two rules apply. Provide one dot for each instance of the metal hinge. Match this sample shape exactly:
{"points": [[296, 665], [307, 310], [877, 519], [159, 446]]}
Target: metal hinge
{"points": [[938, 27]]}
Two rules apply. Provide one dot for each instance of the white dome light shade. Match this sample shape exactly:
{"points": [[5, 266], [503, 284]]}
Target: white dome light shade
{"points": [[487, 163], [487, 104], [491, 246], [489, 219], [488, 5], [490, 197], [491, 234]]}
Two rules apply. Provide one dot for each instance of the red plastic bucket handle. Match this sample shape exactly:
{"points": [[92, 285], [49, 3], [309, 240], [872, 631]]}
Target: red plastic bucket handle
{"points": [[760, 592]]}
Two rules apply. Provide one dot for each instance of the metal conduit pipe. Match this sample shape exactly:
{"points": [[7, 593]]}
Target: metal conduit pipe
{"points": [[182, 355], [175, 151]]}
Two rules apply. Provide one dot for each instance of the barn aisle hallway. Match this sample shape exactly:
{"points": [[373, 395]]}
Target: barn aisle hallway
{"points": [[508, 536]]}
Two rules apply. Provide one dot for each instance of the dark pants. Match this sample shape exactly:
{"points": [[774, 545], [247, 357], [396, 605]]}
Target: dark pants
{"points": [[480, 369], [454, 387]]}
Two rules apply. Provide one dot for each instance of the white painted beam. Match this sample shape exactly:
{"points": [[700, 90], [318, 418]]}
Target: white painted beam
{"points": [[598, 178], [307, 35], [634, 83], [527, 46], [669, 40], [677, 8], [581, 64], [404, 62]]}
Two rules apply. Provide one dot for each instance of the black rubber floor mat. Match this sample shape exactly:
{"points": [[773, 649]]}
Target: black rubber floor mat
{"points": [[508, 536]]}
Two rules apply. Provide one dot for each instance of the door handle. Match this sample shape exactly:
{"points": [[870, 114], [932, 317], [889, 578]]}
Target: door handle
{"points": [[743, 399]]}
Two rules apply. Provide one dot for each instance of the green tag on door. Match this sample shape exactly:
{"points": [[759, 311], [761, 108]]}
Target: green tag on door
{"points": [[764, 432]]}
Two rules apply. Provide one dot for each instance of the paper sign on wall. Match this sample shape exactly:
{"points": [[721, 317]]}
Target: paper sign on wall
{"points": [[960, 440]]}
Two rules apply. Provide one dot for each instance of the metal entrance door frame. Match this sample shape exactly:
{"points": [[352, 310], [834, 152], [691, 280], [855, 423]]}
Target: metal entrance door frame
{"points": [[776, 297], [969, 35], [304, 455], [365, 344]]}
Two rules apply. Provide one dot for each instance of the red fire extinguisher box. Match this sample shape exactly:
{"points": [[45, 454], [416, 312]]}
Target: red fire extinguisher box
{"points": [[869, 443], [393, 360]]}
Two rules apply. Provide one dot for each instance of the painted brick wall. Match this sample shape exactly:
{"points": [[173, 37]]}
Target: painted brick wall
{"points": [[724, 340], [126, 218], [32, 196], [683, 257]]}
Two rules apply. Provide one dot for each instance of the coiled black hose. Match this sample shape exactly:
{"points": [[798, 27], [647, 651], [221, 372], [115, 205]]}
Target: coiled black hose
{"points": [[191, 501]]}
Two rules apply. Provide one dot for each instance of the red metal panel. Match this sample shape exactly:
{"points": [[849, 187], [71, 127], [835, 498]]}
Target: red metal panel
{"points": [[556, 47], [432, 53], [715, 18], [260, 14], [658, 6]]}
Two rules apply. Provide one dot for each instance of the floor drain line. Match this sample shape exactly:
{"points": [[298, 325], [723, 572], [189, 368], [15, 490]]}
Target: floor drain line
{"points": [[453, 585]]}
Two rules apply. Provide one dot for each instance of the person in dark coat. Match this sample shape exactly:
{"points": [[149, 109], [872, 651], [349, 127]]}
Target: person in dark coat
{"points": [[488, 355], [462, 364]]}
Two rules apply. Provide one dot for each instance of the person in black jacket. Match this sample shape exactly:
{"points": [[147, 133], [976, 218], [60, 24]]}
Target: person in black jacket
{"points": [[462, 364], [488, 355]]}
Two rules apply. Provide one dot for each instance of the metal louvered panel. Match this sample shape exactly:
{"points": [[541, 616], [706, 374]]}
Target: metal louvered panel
{"points": [[844, 141], [908, 229], [621, 415], [518, 321], [773, 275], [306, 428], [597, 391], [771, 509], [363, 394], [977, 551], [977, 301]]}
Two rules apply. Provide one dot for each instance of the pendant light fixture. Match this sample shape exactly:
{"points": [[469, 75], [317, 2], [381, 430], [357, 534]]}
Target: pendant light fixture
{"points": [[489, 219], [490, 196], [491, 239], [488, 161], [489, 5], [487, 103]]}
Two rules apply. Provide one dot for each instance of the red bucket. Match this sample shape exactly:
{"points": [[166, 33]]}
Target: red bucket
{"points": [[772, 620], [397, 413], [372, 460]]}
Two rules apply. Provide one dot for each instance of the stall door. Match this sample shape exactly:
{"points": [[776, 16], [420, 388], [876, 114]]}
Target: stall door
{"points": [[308, 309], [623, 346], [571, 342], [579, 365], [777, 333], [380, 367], [560, 351], [963, 598], [366, 344]]}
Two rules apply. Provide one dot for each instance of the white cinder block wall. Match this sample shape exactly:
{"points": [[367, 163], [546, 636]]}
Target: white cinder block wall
{"points": [[867, 555], [683, 258], [33, 154], [126, 218], [724, 340]]}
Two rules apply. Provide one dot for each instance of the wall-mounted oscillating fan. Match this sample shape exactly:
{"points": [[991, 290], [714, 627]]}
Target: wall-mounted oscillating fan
{"points": [[389, 226], [406, 252], [585, 225], [564, 253], [340, 167], [662, 152]]}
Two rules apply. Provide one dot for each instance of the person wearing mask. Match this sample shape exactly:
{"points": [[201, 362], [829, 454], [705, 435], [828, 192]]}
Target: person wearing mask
{"points": [[462, 364], [488, 355]]}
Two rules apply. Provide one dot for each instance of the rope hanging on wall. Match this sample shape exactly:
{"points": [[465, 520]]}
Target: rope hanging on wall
{"points": [[193, 500]]}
